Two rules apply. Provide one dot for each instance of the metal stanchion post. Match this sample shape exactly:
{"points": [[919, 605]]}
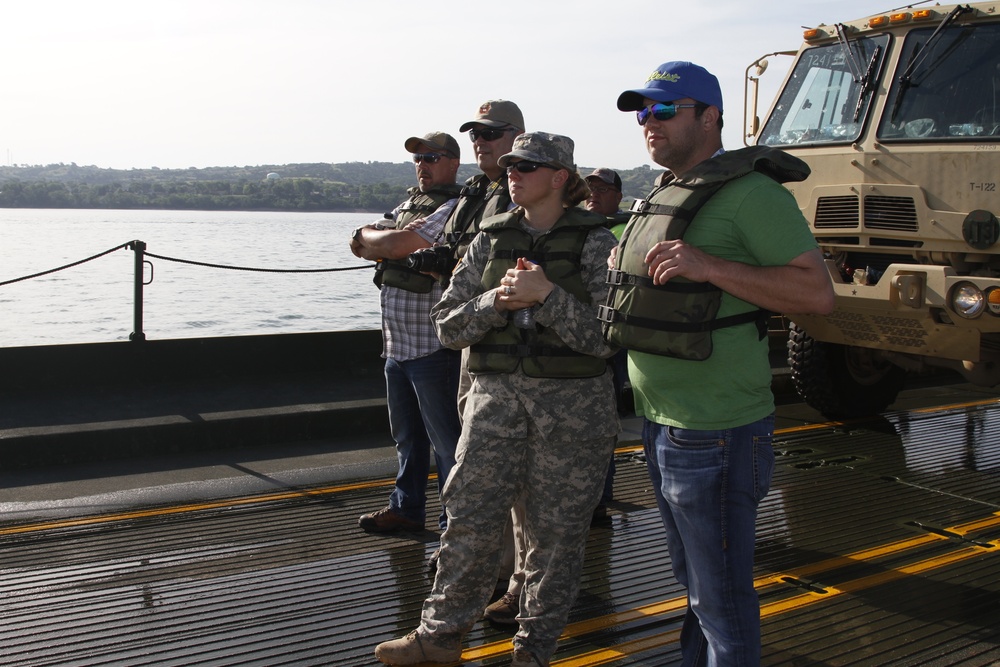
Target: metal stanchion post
{"points": [[137, 334]]}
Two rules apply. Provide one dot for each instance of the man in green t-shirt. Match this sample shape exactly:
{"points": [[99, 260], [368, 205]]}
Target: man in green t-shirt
{"points": [[709, 418]]}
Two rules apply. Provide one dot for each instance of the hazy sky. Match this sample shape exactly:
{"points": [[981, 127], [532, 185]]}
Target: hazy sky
{"points": [[202, 83]]}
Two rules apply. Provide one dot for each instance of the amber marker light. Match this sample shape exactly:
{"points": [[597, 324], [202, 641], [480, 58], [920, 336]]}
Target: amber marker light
{"points": [[812, 33], [878, 22], [923, 14], [993, 300], [899, 17]]}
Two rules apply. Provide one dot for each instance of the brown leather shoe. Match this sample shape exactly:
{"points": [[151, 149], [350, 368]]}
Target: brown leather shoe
{"points": [[504, 611], [414, 649], [388, 520]]}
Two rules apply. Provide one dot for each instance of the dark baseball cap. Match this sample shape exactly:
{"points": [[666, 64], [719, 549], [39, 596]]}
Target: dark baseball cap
{"points": [[609, 176]]}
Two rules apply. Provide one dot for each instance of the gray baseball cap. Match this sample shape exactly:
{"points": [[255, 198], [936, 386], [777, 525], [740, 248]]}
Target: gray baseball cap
{"points": [[437, 141], [496, 113], [553, 149]]}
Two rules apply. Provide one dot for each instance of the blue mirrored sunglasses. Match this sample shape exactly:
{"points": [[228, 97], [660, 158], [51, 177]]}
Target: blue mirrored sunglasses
{"points": [[660, 111]]}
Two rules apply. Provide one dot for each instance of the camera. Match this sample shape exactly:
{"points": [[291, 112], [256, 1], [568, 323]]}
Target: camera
{"points": [[435, 259]]}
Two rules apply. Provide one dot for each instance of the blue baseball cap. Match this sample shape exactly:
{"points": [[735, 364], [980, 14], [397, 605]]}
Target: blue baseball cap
{"points": [[673, 81]]}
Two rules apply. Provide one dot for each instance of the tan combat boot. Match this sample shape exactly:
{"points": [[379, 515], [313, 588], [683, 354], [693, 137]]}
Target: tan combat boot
{"points": [[414, 649], [525, 658]]}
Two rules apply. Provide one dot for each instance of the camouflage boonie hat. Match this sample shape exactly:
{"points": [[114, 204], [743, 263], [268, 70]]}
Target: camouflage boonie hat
{"points": [[441, 142], [496, 113], [543, 147]]}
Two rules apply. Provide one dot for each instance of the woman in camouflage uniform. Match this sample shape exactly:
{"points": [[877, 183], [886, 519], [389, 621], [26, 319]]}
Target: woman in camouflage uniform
{"points": [[541, 421]]}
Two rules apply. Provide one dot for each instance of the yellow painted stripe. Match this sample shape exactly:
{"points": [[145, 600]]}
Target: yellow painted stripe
{"points": [[622, 650], [267, 498], [588, 626], [192, 507], [603, 656], [938, 408], [864, 583]]}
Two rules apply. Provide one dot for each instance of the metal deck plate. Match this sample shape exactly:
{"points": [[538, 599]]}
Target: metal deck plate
{"points": [[878, 545]]}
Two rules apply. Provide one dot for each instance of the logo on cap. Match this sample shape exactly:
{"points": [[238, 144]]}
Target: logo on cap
{"points": [[663, 76]]}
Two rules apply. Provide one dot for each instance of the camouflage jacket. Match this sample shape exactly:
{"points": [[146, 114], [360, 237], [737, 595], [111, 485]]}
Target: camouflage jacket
{"points": [[502, 404]]}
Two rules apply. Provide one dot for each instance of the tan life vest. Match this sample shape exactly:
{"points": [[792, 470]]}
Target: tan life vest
{"points": [[537, 350], [395, 272], [481, 198], [676, 319]]}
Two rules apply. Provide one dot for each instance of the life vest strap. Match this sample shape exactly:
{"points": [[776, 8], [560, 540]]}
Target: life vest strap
{"points": [[617, 278], [526, 350], [609, 315]]}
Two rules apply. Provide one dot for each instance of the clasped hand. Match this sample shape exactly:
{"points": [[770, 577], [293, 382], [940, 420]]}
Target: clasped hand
{"points": [[523, 286]]}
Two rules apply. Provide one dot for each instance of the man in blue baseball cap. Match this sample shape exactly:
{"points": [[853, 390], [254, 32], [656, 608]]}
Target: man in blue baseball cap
{"points": [[673, 81], [723, 225]]}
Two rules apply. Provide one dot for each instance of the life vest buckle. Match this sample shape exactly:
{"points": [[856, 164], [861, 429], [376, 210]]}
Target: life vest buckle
{"points": [[639, 206], [607, 314]]}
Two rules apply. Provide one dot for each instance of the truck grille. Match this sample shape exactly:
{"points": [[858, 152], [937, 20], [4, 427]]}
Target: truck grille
{"points": [[895, 213], [837, 212]]}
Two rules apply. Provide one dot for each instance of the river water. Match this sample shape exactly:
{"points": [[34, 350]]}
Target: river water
{"points": [[93, 302]]}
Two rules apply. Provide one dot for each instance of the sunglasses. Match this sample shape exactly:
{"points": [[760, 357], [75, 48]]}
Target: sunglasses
{"points": [[526, 166], [602, 189], [488, 134], [430, 158], [660, 111]]}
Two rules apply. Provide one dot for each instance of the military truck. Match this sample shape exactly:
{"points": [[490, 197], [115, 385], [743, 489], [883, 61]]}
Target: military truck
{"points": [[898, 116]]}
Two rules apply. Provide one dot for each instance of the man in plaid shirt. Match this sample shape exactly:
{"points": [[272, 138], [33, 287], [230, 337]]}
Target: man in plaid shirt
{"points": [[421, 374]]}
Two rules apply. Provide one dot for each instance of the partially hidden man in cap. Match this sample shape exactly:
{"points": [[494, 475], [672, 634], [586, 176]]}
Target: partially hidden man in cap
{"points": [[492, 131], [421, 374], [540, 424], [606, 197], [701, 378]]}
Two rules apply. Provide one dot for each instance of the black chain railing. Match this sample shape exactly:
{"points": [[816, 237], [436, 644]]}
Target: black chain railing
{"points": [[139, 248]]}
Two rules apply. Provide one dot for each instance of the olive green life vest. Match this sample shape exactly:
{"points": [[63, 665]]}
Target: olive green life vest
{"points": [[676, 319], [481, 198], [538, 350], [394, 272]]}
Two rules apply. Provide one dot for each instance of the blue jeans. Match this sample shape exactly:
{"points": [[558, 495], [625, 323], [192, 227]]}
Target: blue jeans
{"points": [[422, 395], [708, 485]]}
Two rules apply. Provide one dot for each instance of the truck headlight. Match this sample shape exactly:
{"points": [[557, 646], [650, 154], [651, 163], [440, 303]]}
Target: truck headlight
{"points": [[967, 300]]}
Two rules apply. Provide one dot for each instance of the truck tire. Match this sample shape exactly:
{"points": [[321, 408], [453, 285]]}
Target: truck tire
{"points": [[839, 381]]}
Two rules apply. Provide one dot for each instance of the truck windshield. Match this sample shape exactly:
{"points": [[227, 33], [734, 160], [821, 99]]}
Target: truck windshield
{"points": [[820, 103], [952, 91]]}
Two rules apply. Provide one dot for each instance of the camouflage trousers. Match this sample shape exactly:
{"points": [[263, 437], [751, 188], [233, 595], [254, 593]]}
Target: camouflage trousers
{"points": [[560, 483]]}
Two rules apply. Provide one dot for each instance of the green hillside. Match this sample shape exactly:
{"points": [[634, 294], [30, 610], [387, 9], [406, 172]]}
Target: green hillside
{"points": [[347, 186]]}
